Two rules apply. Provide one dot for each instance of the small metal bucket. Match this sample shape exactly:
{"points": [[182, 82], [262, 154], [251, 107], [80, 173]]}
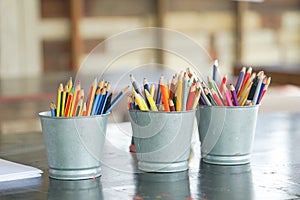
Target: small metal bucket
{"points": [[162, 139], [74, 145], [226, 133]]}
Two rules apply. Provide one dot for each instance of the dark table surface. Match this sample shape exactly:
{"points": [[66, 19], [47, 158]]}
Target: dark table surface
{"points": [[274, 172]]}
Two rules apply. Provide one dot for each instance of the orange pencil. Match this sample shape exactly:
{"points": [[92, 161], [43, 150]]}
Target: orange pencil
{"points": [[69, 103], [59, 99], [75, 99], [91, 97], [164, 94]]}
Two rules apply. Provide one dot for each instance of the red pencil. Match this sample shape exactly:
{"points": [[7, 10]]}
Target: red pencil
{"points": [[191, 97], [216, 97], [247, 76], [224, 81], [171, 103], [68, 105]]}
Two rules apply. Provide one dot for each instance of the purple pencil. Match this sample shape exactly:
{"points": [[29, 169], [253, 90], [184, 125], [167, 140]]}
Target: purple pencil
{"points": [[202, 101], [240, 79], [234, 97]]}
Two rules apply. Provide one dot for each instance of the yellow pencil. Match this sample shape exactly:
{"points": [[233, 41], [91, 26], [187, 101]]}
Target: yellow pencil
{"points": [[152, 90], [244, 95], [64, 98], [179, 93], [91, 97], [249, 81], [59, 96], [76, 97], [140, 101], [151, 101]]}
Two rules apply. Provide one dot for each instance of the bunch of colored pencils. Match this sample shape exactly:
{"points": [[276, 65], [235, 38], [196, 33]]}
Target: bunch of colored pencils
{"points": [[249, 89], [71, 101], [180, 95]]}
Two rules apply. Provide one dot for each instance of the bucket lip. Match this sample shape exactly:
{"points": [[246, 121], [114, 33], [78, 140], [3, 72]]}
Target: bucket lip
{"points": [[47, 114], [229, 107], [163, 112]]}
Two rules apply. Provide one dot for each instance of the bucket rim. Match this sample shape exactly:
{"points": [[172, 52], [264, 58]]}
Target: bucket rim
{"points": [[47, 114], [162, 112]]}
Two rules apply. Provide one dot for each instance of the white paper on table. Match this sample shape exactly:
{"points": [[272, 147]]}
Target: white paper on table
{"points": [[10, 171]]}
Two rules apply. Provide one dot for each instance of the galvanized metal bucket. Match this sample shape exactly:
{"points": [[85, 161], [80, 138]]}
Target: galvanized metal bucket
{"points": [[162, 139], [74, 145], [226, 133]]}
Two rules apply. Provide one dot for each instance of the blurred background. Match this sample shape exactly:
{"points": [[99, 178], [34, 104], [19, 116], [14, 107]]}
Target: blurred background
{"points": [[43, 43]]}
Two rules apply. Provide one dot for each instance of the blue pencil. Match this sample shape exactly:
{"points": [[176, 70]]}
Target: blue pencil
{"points": [[117, 99], [240, 80], [53, 109], [95, 104], [215, 70], [261, 89], [104, 99], [158, 96], [146, 85]]}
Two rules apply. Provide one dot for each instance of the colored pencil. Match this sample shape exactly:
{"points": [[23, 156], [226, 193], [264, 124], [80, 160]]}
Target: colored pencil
{"points": [[246, 77], [173, 87], [64, 100], [75, 99], [215, 70], [216, 97], [53, 109], [265, 89], [234, 96], [223, 82], [164, 94], [105, 98], [171, 104], [146, 85], [249, 81], [227, 96], [117, 99], [261, 89], [135, 85], [69, 103], [96, 101], [151, 101], [59, 99], [178, 105], [140, 101], [197, 96], [91, 97], [240, 79], [191, 97], [184, 92], [256, 93], [152, 90], [108, 103]]}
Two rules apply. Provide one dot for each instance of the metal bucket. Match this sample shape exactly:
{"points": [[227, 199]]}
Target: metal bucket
{"points": [[226, 133], [74, 145], [162, 139]]}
